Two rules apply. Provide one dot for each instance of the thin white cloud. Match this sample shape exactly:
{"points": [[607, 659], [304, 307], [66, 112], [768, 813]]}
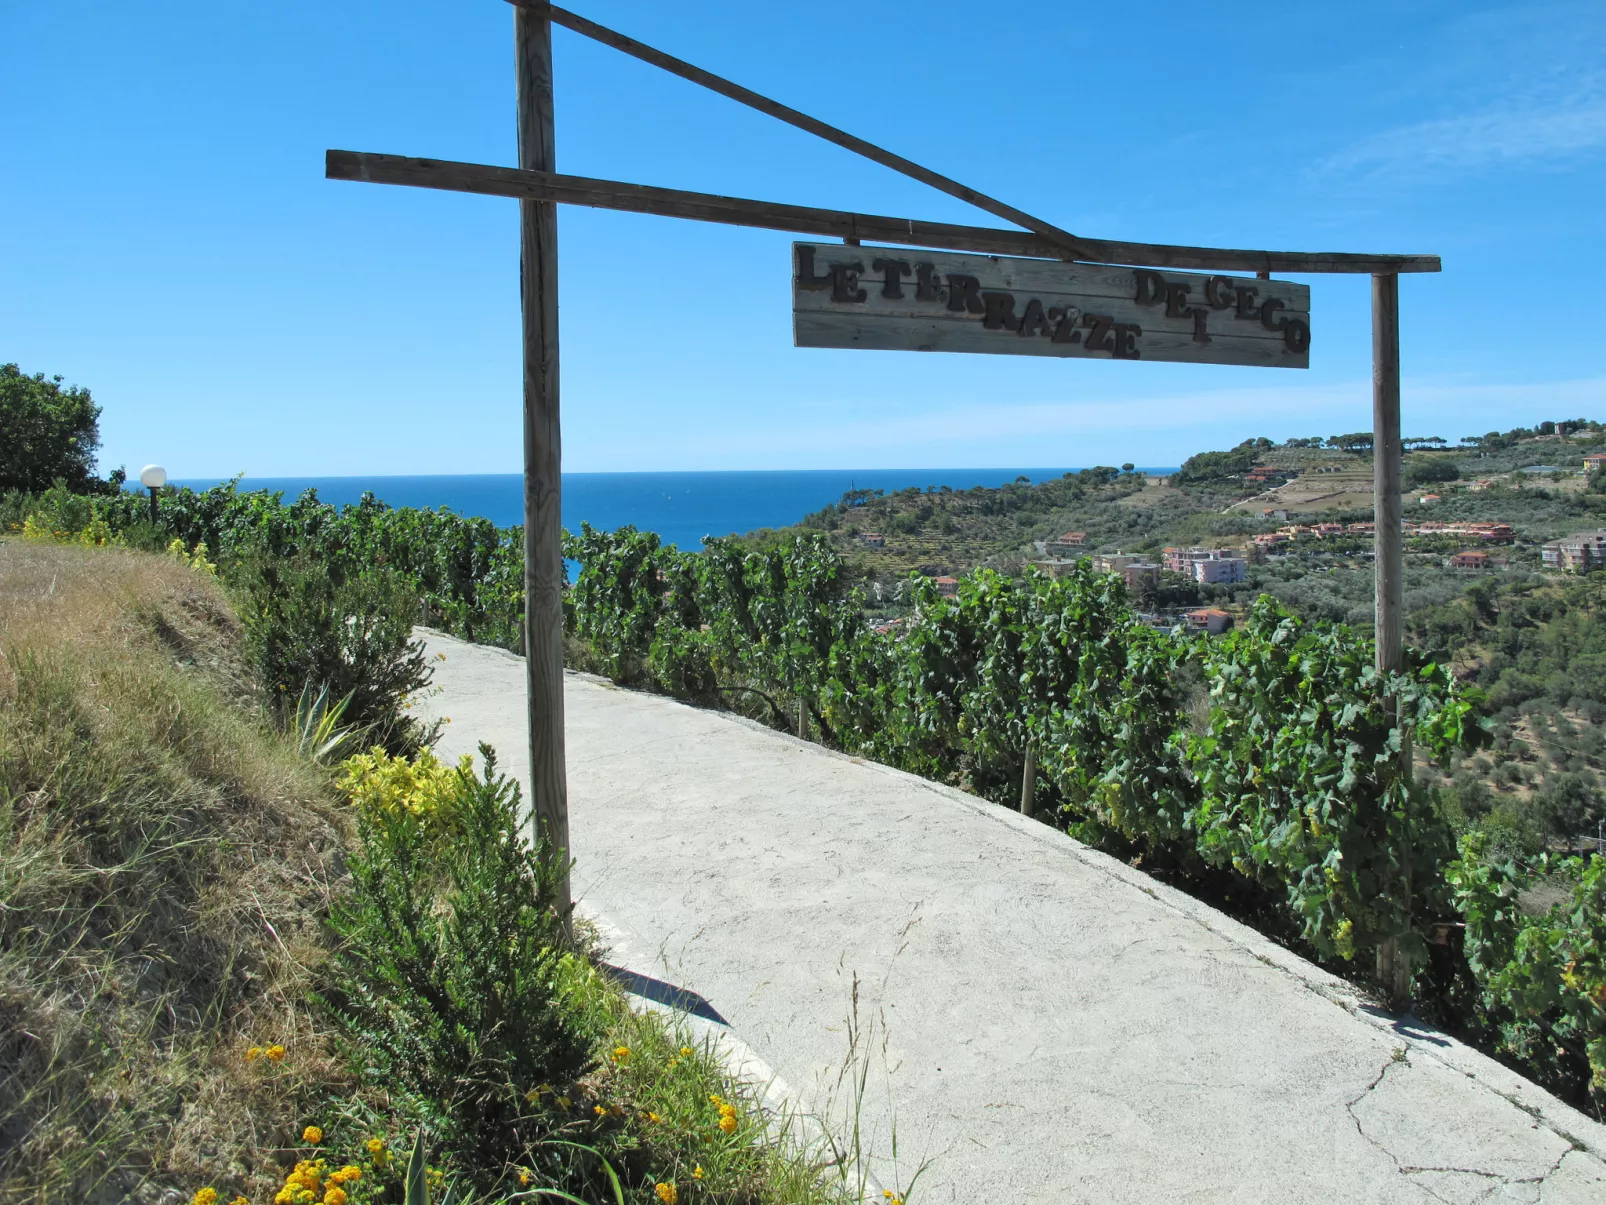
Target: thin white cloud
{"points": [[1521, 130]]}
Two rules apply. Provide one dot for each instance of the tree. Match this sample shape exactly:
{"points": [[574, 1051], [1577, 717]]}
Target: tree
{"points": [[1358, 441], [1423, 471], [46, 432]]}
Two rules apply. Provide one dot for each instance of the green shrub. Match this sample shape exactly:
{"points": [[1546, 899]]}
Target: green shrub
{"points": [[308, 623], [447, 979], [1541, 979]]}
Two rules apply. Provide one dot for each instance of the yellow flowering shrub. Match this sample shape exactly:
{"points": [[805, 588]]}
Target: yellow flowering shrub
{"points": [[195, 559], [94, 534], [377, 783]]}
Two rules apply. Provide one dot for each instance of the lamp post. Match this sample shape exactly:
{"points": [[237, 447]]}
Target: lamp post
{"points": [[153, 477]]}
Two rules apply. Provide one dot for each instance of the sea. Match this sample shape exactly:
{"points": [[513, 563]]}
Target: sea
{"points": [[682, 508]]}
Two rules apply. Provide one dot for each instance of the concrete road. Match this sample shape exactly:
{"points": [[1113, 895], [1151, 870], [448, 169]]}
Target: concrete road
{"points": [[1042, 1023]]}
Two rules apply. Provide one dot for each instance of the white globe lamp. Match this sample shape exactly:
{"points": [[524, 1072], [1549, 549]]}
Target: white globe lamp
{"points": [[153, 477]]}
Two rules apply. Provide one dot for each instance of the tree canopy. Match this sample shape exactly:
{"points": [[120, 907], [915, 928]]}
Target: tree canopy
{"points": [[46, 432]]}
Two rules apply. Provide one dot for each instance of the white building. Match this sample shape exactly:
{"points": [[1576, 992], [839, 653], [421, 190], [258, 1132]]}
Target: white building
{"points": [[1221, 569]]}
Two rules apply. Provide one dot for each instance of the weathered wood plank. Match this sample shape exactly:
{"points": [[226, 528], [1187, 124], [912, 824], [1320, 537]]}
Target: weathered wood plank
{"points": [[854, 332], [869, 298], [1066, 243], [488, 180]]}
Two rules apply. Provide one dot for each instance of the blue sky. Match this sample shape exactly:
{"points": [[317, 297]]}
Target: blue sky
{"points": [[167, 237]]}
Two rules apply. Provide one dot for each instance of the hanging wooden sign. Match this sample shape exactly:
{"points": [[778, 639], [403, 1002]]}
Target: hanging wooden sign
{"points": [[893, 299]]}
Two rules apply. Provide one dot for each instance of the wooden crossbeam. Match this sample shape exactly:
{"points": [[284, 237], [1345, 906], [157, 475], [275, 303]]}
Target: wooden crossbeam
{"points": [[830, 223], [1068, 246]]}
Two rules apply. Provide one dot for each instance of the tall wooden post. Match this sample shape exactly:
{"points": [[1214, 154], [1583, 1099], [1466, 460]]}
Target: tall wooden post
{"points": [[543, 450], [1028, 779], [1392, 968], [1386, 466]]}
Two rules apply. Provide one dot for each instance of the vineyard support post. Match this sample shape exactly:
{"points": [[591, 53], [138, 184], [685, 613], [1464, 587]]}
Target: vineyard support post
{"points": [[1028, 779], [1393, 970], [543, 453]]}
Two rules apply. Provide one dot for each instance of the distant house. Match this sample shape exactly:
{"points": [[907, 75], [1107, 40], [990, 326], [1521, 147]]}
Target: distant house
{"points": [[1428, 499], [1595, 464], [1329, 529], [1114, 562], [1138, 572], [1576, 554], [873, 539], [1470, 560], [1221, 569], [1263, 473], [947, 586], [1206, 564], [1210, 620], [1065, 544]]}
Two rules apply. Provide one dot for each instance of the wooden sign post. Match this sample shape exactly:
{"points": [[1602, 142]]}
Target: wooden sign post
{"points": [[1060, 295], [543, 442]]}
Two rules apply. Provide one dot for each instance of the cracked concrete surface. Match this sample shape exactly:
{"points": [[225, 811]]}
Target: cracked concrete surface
{"points": [[1041, 1022]]}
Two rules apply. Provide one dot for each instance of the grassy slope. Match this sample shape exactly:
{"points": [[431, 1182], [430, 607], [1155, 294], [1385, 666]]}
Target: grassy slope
{"points": [[166, 864], [163, 860]]}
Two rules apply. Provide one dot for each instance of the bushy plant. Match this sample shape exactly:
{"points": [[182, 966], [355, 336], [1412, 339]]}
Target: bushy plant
{"points": [[307, 622], [1541, 979], [447, 978], [378, 783]]}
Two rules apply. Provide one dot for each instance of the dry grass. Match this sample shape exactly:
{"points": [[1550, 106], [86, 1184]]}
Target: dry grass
{"points": [[164, 857]]}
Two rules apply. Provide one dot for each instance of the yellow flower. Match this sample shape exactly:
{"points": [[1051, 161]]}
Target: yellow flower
{"points": [[375, 1145], [621, 1054], [239, 1201], [524, 1178], [346, 1174], [253, 1054], [335, 1196], [686, 1052], [697, 1172], [654, 1118], [206, 1196], [599, 1110], [275, 1053], [312, 1134], [716, 1099], [727, 1110], [666, 1192], [727, 1123]]}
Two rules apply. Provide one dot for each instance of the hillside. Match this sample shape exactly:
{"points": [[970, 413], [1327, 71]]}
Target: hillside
{"points": [[1223, 500]]}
